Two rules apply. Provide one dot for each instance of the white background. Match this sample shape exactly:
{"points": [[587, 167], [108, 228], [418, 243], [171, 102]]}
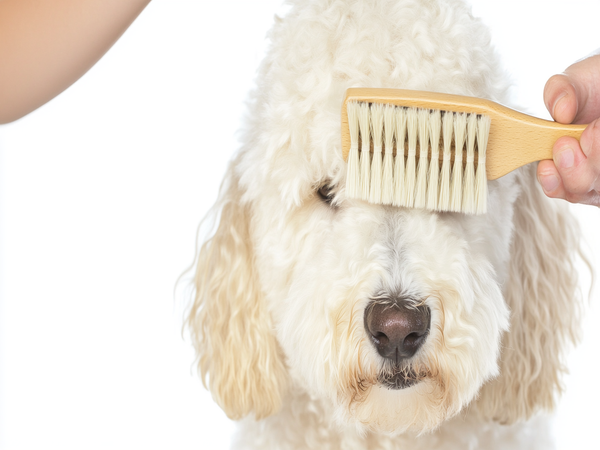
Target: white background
{"points": [[101, 192]]}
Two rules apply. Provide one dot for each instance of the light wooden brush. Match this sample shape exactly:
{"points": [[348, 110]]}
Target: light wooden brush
{"points": [[461, 143]]}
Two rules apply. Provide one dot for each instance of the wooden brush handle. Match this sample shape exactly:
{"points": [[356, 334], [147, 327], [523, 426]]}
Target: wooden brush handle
{"points": [[515, 138], [520, 139]]}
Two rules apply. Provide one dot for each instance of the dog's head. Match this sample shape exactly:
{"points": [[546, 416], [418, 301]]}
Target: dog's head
{"points": [[397, 318]]}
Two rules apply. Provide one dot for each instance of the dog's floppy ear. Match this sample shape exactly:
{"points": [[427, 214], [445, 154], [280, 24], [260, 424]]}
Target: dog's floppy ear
{"points": [[543, 296], [228, 321]]}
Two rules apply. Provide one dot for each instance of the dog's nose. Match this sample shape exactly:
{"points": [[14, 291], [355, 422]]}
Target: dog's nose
{"points": [[397, 329]]}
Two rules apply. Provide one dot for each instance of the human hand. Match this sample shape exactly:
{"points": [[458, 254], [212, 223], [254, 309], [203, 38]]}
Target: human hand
{"points": [[574, 97]]}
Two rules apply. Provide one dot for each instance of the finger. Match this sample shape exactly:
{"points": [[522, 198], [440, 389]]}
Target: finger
{"points": [[590, 144], [549, 179], [583, 76], [577, 174], [560, 98]]}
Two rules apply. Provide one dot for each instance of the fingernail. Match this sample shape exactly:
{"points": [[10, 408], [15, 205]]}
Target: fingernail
{"points": [[549, 182], [566, 158]]}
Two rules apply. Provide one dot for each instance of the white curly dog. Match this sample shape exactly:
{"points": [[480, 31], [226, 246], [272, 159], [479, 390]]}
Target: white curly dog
{"points": [[336, 324]]}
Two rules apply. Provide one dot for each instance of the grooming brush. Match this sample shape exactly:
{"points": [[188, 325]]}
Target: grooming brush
{"points": [[437, 151]]}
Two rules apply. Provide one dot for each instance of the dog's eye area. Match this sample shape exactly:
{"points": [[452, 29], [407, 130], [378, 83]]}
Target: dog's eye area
{"points": [[326, 193]]}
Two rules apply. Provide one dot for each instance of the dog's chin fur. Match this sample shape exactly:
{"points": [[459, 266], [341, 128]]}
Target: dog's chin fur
{"points": [[282, 285], [421, 407]]}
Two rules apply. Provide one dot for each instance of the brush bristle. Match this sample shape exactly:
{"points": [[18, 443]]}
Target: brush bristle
{"points": [[399, 166], [423, 167], [376, 164], [468, 200], [364, 119], [412, 128], [460, 124], [435, 125], [387, 182], [390, 174], [353, 174], [481, 187], [444, 199]]}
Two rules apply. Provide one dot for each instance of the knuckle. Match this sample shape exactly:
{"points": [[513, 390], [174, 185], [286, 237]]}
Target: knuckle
{"points": [[595, 131], [594, 198], [583, 176], [573, 197], [590, 142], [577, 185]]}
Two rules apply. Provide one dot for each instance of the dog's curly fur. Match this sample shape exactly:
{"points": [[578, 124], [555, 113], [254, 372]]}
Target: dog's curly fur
{"points": [[282, 285]]}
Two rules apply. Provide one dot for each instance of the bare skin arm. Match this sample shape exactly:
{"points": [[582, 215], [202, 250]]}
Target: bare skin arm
{"points": [[46, 45], [574, 97]]}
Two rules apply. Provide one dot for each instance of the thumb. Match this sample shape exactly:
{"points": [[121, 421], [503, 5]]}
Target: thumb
{"points": [[574, 96]]}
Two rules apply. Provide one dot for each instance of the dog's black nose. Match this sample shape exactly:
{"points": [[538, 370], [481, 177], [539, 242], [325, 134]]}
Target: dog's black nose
{"points": [[397, 328]]}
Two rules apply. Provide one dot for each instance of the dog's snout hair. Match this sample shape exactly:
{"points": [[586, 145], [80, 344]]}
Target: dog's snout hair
{"points": [[398, 327]]}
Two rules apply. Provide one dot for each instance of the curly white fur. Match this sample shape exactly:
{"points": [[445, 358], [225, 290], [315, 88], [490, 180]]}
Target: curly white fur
{"points": [[282, 286]]}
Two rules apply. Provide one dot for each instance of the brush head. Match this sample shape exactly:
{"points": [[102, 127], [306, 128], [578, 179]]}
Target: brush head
{"points": [[438, 150], [429, 160]]}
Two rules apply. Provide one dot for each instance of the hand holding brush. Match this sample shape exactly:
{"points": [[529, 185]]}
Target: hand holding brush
{"points": [[574, 97]]}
